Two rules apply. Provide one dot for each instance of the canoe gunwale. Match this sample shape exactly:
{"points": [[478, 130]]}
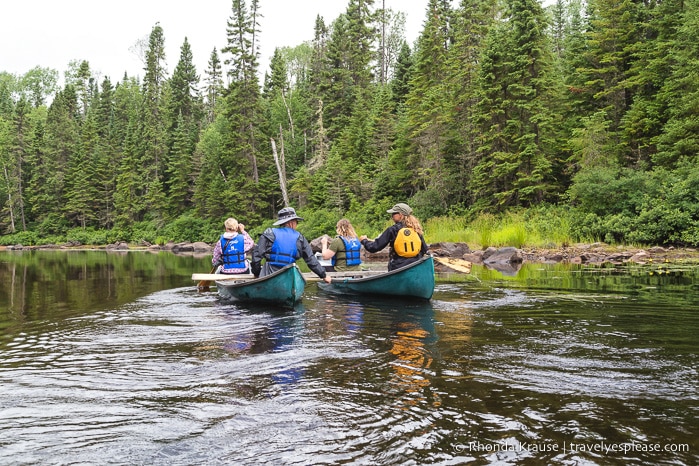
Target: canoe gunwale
{"points": [[283, 287], [380, 285], [233, 283]]}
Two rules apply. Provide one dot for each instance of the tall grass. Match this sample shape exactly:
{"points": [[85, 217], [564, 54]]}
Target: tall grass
{"points": [[535, 227]]}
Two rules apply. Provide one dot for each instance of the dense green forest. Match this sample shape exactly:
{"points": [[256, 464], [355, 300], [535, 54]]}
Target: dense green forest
{"points": [[585, 114]]}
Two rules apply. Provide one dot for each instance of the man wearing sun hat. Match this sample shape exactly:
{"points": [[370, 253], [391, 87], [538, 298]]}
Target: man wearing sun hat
{"points": [[283, 246], [406, 233]]}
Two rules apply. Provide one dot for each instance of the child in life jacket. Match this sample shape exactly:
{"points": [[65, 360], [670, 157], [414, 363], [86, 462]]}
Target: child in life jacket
{"points": [[344, 250]]}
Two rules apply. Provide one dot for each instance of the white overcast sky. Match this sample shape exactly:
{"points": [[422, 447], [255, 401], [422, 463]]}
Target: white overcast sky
{"points": [[51, 33]]}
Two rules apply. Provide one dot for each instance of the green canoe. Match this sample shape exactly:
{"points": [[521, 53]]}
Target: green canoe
{"points": [[412, 281], [284, 287]]}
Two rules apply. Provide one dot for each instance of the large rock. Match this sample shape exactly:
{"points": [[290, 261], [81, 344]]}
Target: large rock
{"points": [[201, 246], [449, 249], [508, 255], [183, 247]]}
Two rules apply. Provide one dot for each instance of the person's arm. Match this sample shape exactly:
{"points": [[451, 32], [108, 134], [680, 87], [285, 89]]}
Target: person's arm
{"points": [[260, 250], [425, 248], [217, 254], [329, 252], [381, 242], [307, 255], [248, 243]]}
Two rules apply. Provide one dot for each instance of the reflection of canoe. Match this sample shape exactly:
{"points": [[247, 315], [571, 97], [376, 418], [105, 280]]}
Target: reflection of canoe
{"points": [[412, 281], [284, 287]]}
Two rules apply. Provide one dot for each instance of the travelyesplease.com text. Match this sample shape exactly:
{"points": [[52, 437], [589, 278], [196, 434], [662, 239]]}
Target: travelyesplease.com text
{"points": [[567, 447]]}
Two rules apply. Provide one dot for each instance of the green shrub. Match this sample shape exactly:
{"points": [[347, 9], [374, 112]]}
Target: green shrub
{"points": [[318, 223], [25, 238], [86, 236], [142, 231], [53, 224], [188, 228]]}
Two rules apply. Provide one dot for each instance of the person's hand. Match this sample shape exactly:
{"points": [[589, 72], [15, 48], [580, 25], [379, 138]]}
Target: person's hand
{"points": [[363, 237], [328, 279], [241, 228], [324, 242]]}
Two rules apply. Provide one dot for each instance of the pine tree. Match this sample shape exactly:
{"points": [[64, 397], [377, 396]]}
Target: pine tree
{"points": [[82, 184], [214, 85], [428, 108], [153, 134], [185, 115], [611, 35], [472, 21], [515, 88], [655, 57], [349, 55], [180, 170], [400, 84], [129, 203], [62, 140], [679, 140], [107, 154]]}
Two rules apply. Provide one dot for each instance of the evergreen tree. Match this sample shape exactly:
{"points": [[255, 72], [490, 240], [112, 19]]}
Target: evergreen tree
{"points": [[62, 140], [472, 21], [350, 53], [129, 204], [515, 89], [153, 133], [214, 85], [428, 108], [317, 75], [107, 154], [80, 76], [238, 165], [82, 184], [400, 84], [679, 94], [185, 115], [611, 35], [180, 170]]}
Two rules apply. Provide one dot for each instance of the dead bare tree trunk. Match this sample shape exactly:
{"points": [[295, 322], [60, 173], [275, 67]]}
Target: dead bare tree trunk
{"points": [[281, 171], [288, 112], [9, 200]]}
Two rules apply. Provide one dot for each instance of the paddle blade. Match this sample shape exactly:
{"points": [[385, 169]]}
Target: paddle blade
{"points": [[204, 285]]}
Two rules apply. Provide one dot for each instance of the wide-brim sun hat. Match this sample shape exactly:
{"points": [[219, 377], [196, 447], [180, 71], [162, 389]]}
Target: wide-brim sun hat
{"points": [[286, 215], [400, 208]]}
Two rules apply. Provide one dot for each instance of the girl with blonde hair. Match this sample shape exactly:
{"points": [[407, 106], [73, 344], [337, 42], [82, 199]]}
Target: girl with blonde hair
{"points": [[231, 248], [405, 238], [344, 249]]}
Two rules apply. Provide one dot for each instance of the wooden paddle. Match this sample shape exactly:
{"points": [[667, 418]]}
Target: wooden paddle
{"points": [[459, 265], [204, 285]]}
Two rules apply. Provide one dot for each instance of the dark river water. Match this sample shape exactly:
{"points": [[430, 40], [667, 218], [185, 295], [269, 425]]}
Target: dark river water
{"points": [[116, 358]]}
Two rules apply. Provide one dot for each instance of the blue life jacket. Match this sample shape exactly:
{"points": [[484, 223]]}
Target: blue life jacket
{"points": [[284, 251], [352, 248], [233, 252]]}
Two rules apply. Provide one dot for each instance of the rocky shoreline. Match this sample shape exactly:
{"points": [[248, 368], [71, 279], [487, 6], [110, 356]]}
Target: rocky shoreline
{"points": [[590, 254]]}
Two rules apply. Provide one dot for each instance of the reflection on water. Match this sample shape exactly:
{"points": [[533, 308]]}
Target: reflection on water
{"points": [[556, 368]]}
